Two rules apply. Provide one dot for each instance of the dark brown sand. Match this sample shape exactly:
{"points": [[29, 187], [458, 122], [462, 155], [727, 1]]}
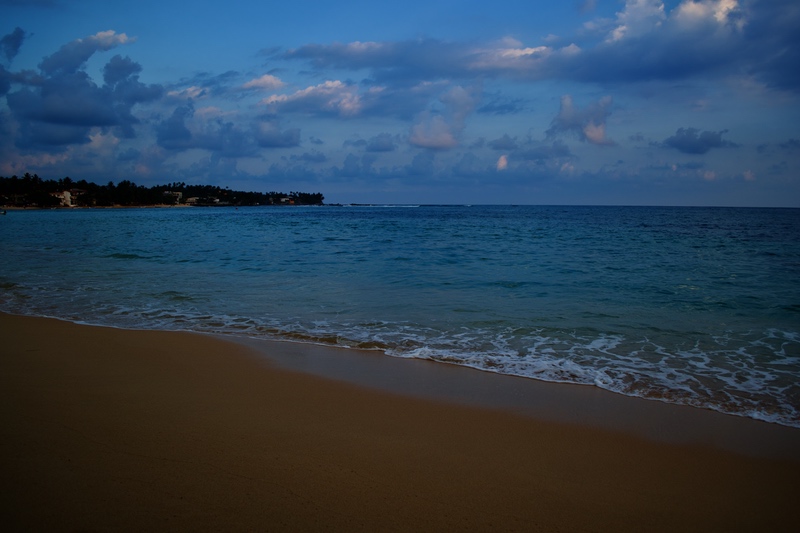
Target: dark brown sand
{"points": [[104, 430]]}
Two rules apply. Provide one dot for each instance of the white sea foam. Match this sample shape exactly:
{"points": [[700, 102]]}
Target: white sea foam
{"points": [[636, 301]]}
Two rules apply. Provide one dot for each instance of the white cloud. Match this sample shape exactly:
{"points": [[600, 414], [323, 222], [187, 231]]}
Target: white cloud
{"points": [[567, 168], [363, 47], [211, 112], [330, 96], [102, 143], [266, 82], [460, 103], [432, 132], [502, 162], [441, 130], [190, 93], [638, 18], [109, 39], [508, 53], [521, 52], [73, 55], [511, 56], [596, 133], [691, 11], [589, 124]]}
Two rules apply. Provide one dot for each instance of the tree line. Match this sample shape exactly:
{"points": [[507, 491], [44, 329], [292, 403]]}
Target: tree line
{"points": [[32, 191]]}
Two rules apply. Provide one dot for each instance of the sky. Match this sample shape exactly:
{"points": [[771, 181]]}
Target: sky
{"points": [[620, 102]]}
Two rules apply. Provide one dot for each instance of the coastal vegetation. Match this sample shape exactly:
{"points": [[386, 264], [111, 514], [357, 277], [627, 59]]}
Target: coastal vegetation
{"points": [[33, 191]]}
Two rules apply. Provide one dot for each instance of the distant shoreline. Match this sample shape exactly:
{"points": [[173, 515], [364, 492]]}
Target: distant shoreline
{"points": [[81, 207], [156, 206]]}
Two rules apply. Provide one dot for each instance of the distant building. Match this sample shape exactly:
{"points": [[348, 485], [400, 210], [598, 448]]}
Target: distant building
{"points": [[177, 195], [64, 196], [69, 198]]}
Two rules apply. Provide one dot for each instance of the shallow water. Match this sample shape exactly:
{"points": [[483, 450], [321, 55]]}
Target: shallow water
{"points": [[699, 306]]}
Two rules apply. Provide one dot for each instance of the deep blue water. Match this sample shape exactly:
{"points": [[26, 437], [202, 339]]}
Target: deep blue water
{"points": [[698, 306]]}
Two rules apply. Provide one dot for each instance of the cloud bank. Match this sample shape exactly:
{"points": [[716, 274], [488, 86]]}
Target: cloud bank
{"points": [[411, 114]]}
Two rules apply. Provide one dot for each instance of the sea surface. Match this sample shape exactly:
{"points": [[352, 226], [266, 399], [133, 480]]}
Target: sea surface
{"points": [[697, 306]]}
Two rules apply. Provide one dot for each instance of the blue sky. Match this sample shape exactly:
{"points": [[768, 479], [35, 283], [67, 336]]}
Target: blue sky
{"points": [[685, 102]]}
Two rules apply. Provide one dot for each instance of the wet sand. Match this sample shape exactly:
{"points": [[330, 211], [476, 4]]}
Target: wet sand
{"points": [[104, 429]]}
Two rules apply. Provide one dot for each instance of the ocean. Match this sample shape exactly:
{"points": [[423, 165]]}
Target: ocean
{"points": [[694, 306]]}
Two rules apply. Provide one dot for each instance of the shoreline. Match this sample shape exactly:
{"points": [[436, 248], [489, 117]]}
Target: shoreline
{"points": [[144, 206], [105, 428], [565, 403]]}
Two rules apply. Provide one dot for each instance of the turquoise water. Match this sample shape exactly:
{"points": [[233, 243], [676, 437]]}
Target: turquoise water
{"points": [[699, 306]]}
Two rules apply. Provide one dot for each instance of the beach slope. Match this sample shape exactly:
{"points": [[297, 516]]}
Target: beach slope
{"points": [[108, 429]]}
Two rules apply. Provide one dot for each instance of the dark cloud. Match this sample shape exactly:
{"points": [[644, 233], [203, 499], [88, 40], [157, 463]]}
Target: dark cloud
{"points": [[291, 175], [644, 43], [421, 164], [499, 105], [778, 168], [5, 81], [354, 166], [310, 157], [401, 101], [52, 137], [122, 80], [37, 3], [471, 166], [206, 84], [771, 47], [668, 58], [68, 100], [269, 135], [61, 111], [73, 55], [351, 167], [389, 61], [227, 140], [542, 152], [505, 143], [759, 38], [696, 142], [791, 145], [60, 106], [647, 43], [9, 47], [172, 133], [383, 142], [120, 68], [358, 143], [11, 43], [180, 131], [131, 154]]}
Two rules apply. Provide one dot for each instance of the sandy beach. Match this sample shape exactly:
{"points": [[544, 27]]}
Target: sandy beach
{"points": [[105, 429]]}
